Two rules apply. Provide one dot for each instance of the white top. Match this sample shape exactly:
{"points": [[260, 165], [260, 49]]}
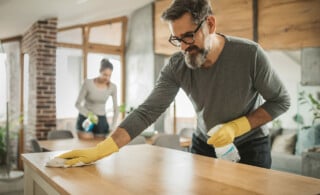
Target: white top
{"points": [[93, 99]]}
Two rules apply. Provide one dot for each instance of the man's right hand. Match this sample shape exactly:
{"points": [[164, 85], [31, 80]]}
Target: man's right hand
{"points": [[89, 155]]}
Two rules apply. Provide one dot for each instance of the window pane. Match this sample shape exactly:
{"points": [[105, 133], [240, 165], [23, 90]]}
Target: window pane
{"points": [[93, 71], [70, 36], [3, 87], [109, 34], [185, 114], [12, 64], [25, 88], [68, 81]]}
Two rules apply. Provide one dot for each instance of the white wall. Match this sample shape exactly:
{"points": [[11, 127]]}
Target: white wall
{"points": [[139, 57]]}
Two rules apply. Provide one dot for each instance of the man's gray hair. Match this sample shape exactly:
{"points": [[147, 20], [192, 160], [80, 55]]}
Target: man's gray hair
{"points": [[199, 9]]}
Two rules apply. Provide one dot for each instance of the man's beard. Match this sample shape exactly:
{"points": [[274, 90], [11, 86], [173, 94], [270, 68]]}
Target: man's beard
{"points": [[196, 58]]}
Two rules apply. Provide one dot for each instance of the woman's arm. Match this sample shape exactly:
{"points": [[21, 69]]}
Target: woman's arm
{"points": [[81, 98]]}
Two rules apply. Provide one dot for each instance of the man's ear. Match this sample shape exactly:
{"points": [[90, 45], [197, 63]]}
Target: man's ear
{"points": [[211, 22]]}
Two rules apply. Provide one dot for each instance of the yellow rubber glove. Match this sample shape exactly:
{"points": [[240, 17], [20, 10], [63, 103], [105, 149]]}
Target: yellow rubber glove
{"points": [[229, 131], [104, 148]]}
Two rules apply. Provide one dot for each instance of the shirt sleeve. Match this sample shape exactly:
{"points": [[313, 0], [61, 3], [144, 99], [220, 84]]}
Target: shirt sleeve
{"points": [[115, 108], [81, 98], [158, 101], [268, 84]]}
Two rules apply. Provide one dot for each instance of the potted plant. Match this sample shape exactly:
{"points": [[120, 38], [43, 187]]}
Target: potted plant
{"points": [[314, 108], [3, 146], [6, 145], [4, 164], [308, 132], [310, 136]]}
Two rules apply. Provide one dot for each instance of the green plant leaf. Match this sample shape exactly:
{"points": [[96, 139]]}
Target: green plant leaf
{"points": [[122, 108], [298, 119]]}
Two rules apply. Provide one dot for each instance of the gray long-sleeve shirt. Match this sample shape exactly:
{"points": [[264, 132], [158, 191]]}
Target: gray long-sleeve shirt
{"points": [[93, 99], [231, 88]]}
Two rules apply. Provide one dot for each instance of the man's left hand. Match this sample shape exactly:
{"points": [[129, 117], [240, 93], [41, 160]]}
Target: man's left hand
{"points": [[229, 131]]}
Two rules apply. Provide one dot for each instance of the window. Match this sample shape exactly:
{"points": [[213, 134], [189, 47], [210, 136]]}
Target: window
{"points": [[185, 114], [73, 36], [3, 87], [25, 88], [105, 34], [68, 81]]}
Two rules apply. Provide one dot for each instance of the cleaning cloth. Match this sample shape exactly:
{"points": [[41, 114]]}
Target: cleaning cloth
{"points": [[59, 162]]}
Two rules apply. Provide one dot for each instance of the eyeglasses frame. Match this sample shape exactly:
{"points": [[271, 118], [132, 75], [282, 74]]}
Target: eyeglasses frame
{"points": [[187, 34]]}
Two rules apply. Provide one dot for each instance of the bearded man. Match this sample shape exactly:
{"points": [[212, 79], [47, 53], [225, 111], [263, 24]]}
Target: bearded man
{"points": [[228, 79]]}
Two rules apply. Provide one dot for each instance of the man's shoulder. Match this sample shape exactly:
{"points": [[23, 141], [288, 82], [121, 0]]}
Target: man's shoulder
{"points": [[175, 68], [177, 57], [240, 41], [176, 61]]}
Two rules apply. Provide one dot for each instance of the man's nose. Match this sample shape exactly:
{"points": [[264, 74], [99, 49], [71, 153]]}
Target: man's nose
{"points": [[183, 46]]}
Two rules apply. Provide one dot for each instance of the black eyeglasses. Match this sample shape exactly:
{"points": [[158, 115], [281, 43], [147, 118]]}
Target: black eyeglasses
{"points": [[187, 38]]}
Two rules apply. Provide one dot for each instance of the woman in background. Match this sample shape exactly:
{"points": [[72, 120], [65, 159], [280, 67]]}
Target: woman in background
{"points": [[91, 103]]}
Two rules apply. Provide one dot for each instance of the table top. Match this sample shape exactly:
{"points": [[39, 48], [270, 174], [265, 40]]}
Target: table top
{"points": [[67, 144], [75, 143], [147, 169], [184, 141]]}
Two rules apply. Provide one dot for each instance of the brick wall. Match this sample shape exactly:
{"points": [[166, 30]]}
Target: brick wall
{"points": [[39, 42]]}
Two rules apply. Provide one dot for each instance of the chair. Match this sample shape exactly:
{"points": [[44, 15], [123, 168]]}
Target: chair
{"points": [[35, 146], [186, 132], [138, 140], [169, 141], [60, 134]]}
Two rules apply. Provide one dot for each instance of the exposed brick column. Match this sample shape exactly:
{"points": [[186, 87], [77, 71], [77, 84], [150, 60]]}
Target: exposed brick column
{"points": [[40, 43]]}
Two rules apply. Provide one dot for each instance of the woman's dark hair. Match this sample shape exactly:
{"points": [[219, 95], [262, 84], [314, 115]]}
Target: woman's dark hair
{"points": [[105, 64], [199, 9]]}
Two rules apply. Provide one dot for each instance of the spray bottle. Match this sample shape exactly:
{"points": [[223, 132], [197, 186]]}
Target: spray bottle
{"points": [[89, 123], [228, 152]]}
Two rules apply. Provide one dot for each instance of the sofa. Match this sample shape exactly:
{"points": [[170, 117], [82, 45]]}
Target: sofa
{"points": [[289, 149], [286, 162]]}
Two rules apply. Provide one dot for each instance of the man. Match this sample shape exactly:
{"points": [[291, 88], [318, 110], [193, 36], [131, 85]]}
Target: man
{"points": [[223, 76]]}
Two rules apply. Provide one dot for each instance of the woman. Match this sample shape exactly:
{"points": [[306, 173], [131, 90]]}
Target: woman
{"points": [[92, 99]]}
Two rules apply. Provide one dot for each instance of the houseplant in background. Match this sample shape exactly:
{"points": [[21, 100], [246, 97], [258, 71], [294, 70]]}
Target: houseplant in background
{"points": [[6, 150], [123, 108], [3, 149], [314, 107], [309, 132], [309, 136]]}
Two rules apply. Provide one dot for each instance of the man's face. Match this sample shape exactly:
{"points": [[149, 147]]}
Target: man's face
{"points": [[195, 53]]}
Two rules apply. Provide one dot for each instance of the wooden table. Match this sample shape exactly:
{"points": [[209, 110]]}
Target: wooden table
{"points": [[184, 141], [67, 144], [75, 143], [147, 169]]}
